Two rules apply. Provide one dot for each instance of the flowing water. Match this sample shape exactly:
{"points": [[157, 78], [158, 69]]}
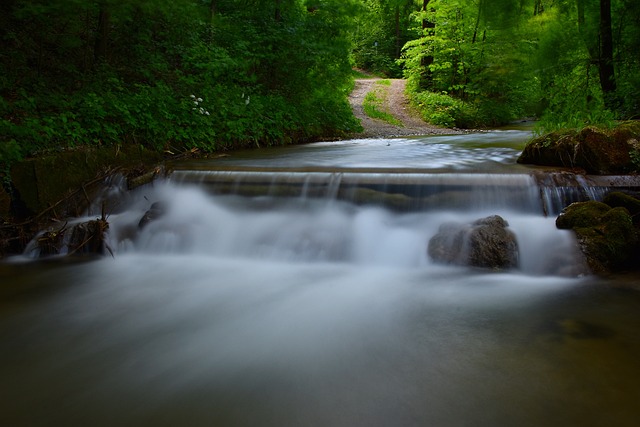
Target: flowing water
{"points": [[292, 287]]}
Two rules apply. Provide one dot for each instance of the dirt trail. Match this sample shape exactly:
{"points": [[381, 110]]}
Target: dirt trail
{"points": [[397, 104]]}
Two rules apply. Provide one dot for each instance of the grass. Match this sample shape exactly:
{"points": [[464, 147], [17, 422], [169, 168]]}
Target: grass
{"points": [[372, 106]]}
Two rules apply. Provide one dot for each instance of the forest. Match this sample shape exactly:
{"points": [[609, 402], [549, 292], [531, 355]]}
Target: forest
{"points": [[211, 75]]}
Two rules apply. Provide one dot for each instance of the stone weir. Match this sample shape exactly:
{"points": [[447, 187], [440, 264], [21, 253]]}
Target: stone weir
{"points": [[543, 192]]}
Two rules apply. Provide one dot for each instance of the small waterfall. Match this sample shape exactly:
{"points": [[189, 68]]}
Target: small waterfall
{"points": [[404, 191], [368, 218], [560, 189], [355, 216]]}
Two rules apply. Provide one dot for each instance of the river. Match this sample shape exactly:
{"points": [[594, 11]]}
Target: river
{"points": [[242, 307]]}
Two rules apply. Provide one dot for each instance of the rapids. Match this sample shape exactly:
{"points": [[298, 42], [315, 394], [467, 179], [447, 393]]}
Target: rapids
{"points": [[285, 287]]}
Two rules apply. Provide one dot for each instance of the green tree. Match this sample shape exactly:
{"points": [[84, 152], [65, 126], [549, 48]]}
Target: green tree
{"points": [[588, 62], [382, 28], [172, 75], [476, 52]]}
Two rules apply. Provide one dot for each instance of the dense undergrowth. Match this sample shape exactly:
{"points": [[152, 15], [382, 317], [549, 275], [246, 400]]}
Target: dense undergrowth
{"points": [[171, 76]]}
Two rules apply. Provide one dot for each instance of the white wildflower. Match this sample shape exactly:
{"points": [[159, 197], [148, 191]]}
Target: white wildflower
{"points": [[192, 96], [246, 102], [199, 99], [206, 112]]}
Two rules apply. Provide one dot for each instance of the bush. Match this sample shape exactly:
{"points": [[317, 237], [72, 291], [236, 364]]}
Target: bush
{"points": [[438, 109]]}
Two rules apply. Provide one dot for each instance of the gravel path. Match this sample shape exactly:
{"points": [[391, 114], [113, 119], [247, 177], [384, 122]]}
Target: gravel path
{"points": [[397, 104]]}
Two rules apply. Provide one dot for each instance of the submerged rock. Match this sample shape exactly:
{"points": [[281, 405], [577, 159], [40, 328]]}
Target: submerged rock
{"points": [[82, 238], [156, 210], [484, 243], [88, 237], [606, 235]]}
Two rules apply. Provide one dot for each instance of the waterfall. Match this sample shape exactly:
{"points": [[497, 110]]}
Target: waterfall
{"points": [[347, 217], [333, 202]]}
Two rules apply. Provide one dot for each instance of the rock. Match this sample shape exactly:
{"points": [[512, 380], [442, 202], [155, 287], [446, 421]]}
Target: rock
{"points": [[485, 243], [628, 201], [156, 210], [595, 150], [606, 235], [88, 237], [83, 238], [581, 214]]}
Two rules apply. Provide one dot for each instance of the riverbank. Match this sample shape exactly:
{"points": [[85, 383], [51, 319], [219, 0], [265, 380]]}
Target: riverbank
{"points": [[57, 186]]}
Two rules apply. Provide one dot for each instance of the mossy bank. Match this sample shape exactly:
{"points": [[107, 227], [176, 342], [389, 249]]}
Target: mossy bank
{"points": [[60, 185]]}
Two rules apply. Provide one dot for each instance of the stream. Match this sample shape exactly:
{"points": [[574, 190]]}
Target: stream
{"points": [[291, 286]]}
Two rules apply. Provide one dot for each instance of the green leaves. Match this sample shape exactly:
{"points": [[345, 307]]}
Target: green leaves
{"points": [[110, 72]]}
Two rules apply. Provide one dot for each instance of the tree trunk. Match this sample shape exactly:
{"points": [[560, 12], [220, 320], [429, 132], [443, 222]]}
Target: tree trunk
{"points": [[605, 63], [588, 37], [475, 28], [427, 60], [538, 8], [278, 14], [213, 9], [397, 24], [102, 34]]}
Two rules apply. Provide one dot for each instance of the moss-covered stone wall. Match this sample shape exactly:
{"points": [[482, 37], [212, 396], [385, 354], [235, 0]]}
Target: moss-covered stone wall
{"points": [[40, 182]]}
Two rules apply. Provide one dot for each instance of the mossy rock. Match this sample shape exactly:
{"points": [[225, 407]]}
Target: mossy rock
{"points": [[606, 235], [631, 203], [581, 214], [553, 149], [485, 243], [597, 151]]}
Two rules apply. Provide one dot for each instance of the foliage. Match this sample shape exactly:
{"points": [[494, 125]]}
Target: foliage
{"points": [[97, 72], [75, 73], [477, 53], [381, 28], [508, 59], [438, 109]]}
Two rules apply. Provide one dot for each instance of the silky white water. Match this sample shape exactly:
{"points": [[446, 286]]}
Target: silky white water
{"points": [[311, 230], [312, 311]]}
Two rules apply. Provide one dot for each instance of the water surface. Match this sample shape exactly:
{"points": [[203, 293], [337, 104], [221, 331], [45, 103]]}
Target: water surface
{"points": [[317, 311]]}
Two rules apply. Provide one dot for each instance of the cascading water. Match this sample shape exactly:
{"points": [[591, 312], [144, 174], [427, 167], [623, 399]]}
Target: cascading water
{"points": [[292, 287], [333, 228]]}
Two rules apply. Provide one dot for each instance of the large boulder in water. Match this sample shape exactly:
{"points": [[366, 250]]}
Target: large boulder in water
{"points": [[485, 243], [606, 235], [595, 150]]}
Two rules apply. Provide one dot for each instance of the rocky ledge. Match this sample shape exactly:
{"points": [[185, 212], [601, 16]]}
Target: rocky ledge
{"points": [[607, 232], [594, 150]]}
